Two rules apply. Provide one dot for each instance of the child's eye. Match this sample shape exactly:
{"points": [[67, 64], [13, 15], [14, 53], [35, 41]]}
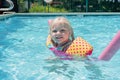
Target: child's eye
{"points": [[54, 31], [62, 30]]}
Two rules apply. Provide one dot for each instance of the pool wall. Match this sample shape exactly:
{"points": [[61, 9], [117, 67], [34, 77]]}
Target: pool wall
{"points": [[2, 17], [5, 16]]}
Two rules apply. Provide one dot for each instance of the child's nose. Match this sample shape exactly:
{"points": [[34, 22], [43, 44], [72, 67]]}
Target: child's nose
{"points": [[58, 32]]}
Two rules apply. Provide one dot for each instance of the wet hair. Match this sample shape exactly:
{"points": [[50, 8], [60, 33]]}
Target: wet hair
{"points": [[61, 21]]}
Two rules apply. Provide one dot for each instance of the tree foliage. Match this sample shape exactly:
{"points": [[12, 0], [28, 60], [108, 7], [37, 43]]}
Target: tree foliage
{"points": [[80, 5]]}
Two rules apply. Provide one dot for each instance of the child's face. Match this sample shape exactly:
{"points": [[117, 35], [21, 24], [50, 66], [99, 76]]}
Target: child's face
{"points": [[60, 34]]}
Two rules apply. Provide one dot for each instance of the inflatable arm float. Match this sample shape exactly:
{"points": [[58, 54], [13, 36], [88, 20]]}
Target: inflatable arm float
{"points": [[111, 49]]}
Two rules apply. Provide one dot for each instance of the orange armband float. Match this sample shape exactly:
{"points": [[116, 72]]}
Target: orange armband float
{"points": [[79, 47]]}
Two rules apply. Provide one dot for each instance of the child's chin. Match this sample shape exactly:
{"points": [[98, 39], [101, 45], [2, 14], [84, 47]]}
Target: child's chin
{"points": [[60, 43]]}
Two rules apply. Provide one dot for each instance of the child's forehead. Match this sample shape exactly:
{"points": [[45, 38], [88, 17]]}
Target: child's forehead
{"points": [[60, 27], [60, 24]]}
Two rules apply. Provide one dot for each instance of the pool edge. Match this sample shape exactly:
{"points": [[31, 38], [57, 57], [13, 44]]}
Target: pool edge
{"points": [[62, 14], [84, 14]]}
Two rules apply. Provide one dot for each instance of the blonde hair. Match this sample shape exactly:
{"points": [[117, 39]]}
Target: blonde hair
{"points": [[62, 21]]}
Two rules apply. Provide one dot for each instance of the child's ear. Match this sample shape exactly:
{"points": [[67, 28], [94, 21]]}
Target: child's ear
{"points": [[70, 34], [50, 22]]}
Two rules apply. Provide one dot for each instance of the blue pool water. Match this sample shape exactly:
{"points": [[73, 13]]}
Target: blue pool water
{"points": [[24, 55]]}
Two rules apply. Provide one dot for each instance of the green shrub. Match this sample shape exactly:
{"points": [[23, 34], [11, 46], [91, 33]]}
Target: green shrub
{"points": [[40, 8]]}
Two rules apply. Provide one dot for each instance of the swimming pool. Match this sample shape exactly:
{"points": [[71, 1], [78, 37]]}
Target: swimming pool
{"points": [[23, 53]]}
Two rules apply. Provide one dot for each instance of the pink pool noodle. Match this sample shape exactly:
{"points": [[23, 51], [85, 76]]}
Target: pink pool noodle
{"points": [[111, 49]]}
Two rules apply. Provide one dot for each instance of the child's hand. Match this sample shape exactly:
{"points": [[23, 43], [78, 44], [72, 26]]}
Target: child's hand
{"points": [[52, 58]]}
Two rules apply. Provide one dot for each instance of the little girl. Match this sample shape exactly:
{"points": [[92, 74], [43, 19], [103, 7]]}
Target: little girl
{"points": [[61, 36], [64, 45]]}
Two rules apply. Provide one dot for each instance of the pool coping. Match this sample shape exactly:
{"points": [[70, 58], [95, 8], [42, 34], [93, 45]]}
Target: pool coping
{"points": [[62, 14], [4, 16], [84, 14]]}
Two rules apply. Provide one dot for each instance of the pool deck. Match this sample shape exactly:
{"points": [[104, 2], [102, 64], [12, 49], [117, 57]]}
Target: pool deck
{"points": [[62, 14], [88, 13]]}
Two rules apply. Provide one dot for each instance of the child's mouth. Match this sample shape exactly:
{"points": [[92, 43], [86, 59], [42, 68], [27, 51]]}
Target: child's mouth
{"points": [[58, 38]]}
